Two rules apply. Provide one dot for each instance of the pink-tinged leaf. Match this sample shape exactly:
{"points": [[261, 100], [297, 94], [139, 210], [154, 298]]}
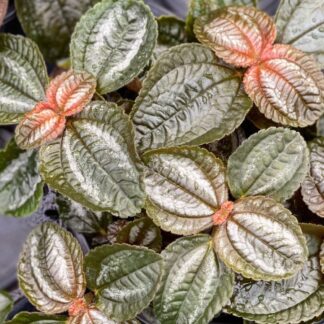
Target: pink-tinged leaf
{"points": [[71, 91], [39, 126], [287, 87], [238, 35], [3, 10]]}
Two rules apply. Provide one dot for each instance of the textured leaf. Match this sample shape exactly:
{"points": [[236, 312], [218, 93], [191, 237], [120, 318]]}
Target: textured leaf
{"points": [[272, 162], [50, 23], [50, 269], [3, 10], [108, 176], [320, 126], [314, 235], [293, 300], [114, 41], [195, 284], [288, 87], [238, 35], [39, 126], [185, 187], [261, 240], [79, 218], [141, 232], [93, 316], [304, 34], [37, 318], [322, 257], [6, 305], [124, 278], [313, 186], [23, 77], [188, 97], [70, 92], [21, 187]]}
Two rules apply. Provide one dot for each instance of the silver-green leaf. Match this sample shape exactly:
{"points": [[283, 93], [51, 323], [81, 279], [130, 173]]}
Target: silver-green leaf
{"points": [[125, 278], [95, 161], [195, 284], [37, 318], [272, 162], [50, 269], [188, 97], [23, 77], [261, 240], [6, 305], [184, 186], [114, 41], [21, 187]]}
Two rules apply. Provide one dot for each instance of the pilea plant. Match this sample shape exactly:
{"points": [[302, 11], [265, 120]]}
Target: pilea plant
{"points": [[143, 127]]}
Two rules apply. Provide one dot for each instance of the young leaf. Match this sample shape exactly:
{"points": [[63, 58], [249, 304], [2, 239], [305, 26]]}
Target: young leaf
{"points": [[3, 10], [261, 240], [304, 34], [70, 92], [37, 318], [108, 177], [50, 23], [288, 87], [195, 284], [272, 162], [293, 300], [50, 269], [313, 186], [141, 232], [114, 42], [23, 77], [6, 305], [185, 187], [238, 35], [21, 187], [188, 97], [124, 278], [39, 126]]}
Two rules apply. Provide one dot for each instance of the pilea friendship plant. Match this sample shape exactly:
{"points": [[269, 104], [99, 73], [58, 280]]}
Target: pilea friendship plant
{"points": [[202, 139]]}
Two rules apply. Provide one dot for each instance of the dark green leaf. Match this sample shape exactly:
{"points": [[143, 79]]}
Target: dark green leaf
{"points": [[21, 187], [23, 77], [184, 186], [261, 240], [195, 284], [141, 232], [304, 34], [6, 305], [50, 23], [124, 278], [50, 269], [114, 41], [188, 97], [95, 162], [313, 186], [36, 318], [272, 162]]}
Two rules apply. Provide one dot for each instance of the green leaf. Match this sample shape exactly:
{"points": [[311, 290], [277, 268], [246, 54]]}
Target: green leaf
{"points": [[199, 8], [36, 318], [81, 219], [261, 240], [124, 278], [195, 284], [184, 186], [23, 77], [114, 41], [50, 23], [188, 97], [95, 162], [322, 257], [304, 34], [141, 232], [171, 31], [314, 235], [21, 187], [6, 305], [293, 300], [272, 162], [313, 186], [93, 315], [50, 269], [320, 126]]}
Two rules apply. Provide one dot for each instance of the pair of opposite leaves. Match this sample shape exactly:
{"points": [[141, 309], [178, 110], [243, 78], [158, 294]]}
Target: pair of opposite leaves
{"points": [[285, 84]]}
